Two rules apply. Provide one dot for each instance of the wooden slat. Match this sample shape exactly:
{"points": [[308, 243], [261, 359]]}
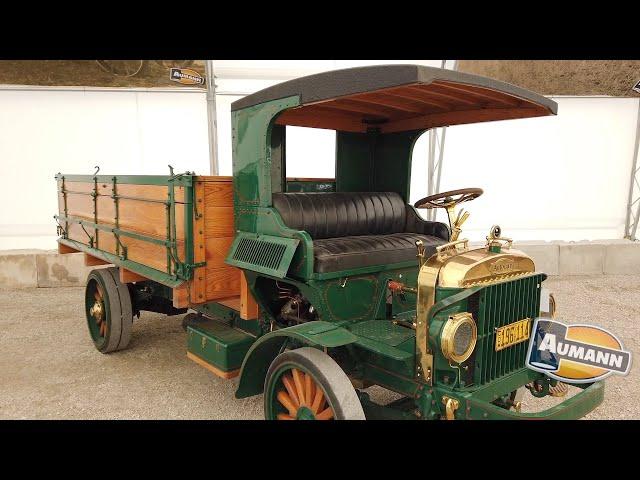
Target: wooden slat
{"points": [[91, 261], [310, 117], [64, 249], [136, 216], [181, 296], [127, 276], [219, 221], [479, 92], [401, 104], [218, 194], [149, 192], [464, 116], [212, 368], [432, 92], [248, 305], [233, 302], [217, 249], [414, 97], [222, 282]]}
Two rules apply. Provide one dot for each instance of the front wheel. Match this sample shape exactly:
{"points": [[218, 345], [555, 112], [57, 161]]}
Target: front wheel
{"points": [[307, 384], [108, 310]]}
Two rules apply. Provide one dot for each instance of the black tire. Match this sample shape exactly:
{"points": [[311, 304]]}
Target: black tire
{"points": [[338, 391], [117, 310]]}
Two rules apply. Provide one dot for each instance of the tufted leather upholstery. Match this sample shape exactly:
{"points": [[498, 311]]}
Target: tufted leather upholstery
{"points": [[358, 229]]}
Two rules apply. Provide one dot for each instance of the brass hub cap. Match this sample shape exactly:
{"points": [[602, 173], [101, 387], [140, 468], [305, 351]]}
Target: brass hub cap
{"points": [[303, 398], [97, 312]]}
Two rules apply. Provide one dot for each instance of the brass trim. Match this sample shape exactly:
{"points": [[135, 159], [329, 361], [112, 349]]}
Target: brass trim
{"points": [[448, 334], [427, 281], [450, 407]]}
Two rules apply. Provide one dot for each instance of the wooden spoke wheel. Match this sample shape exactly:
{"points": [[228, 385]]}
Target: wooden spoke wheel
{"points": [[307, 384], [108, 310]]}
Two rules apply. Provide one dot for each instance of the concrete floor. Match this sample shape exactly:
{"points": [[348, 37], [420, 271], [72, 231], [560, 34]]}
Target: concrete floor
{"points": [[49, 368]]}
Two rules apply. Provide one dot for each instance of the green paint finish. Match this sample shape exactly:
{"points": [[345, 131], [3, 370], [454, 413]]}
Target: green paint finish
{"points": [[477, 404], [394, 154], [262, 253], [388, 267], [252, 152], [218, 344], [352, 298], [383, 331], [374, 162], [305, 413], [185, 180], [500, 305], [267, 347], [391, 380], [353, 162]]}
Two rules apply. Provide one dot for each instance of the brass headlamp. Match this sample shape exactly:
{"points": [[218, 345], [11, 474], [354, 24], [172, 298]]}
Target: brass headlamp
{"points": [[459, 336]]}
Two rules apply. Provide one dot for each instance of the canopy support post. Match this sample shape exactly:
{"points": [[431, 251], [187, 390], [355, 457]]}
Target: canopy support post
{"points": [[436, 149], [633, 201], [211, 117]]}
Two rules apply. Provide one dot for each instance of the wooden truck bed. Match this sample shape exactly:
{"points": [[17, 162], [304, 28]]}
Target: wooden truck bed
{"points": [[175, 230]]}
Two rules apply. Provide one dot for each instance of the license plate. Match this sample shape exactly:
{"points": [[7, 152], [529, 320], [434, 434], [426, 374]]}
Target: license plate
{"points": [[513, 334]]}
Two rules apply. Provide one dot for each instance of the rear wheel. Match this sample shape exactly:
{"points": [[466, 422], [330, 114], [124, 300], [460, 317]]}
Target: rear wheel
{"points": [[108, 310], [307, 384]]}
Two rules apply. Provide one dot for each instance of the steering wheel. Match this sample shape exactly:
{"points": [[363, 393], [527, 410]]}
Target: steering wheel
{"points": [[449, 199]]}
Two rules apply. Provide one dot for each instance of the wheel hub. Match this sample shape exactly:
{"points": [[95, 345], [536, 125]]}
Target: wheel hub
{"points": [[97, 311], [305, 413]]}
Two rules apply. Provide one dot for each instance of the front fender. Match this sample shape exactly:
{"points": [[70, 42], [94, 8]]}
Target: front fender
{"points": [[266, 348]]}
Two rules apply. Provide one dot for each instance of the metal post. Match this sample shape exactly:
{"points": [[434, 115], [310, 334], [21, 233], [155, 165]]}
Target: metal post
{"points": [[436, 141], [632, 219], [211, 117]]}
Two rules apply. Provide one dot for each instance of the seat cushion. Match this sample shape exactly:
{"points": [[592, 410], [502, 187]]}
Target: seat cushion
{"points": [[342, 214], [345, 253]]}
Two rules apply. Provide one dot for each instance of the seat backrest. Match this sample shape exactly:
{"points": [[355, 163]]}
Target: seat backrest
{"points": [[341, 214]]}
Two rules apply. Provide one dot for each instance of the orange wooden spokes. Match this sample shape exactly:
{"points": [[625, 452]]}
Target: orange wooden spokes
{"points": [[286, 402], [297, 379], [291, 389], [326, 414], [318, 401], [301, 390], [308, 389]]}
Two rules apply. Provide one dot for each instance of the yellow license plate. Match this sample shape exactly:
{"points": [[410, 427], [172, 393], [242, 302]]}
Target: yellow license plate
{"points": [[513, 334]]}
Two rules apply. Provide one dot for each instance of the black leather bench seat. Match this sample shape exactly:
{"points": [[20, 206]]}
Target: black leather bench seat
{"points": [[358, 229], [335, 254]]}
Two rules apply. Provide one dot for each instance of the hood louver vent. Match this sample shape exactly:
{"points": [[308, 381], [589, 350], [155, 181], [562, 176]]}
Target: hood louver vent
{"points": [[262, 253]]}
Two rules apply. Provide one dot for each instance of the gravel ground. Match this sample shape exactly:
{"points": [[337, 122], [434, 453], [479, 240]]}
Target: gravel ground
{"points": [[49, 368]]}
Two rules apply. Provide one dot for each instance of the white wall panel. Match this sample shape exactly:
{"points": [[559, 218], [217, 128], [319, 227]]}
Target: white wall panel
{"points": [[563, 177], [551, 178]]}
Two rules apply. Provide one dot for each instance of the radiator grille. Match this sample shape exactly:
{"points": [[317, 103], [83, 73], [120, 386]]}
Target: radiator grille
{"points": [[259, 252], [500, 305]]}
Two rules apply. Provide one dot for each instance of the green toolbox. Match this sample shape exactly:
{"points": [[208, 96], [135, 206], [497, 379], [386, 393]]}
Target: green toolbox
{"points": [[218, 347]]}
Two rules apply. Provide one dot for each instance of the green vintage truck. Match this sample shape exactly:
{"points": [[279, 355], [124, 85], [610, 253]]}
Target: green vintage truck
{"points": [[312, 290]]}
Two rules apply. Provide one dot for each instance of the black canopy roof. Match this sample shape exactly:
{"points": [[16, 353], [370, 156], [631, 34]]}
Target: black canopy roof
{"points": [[399, 97]]}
